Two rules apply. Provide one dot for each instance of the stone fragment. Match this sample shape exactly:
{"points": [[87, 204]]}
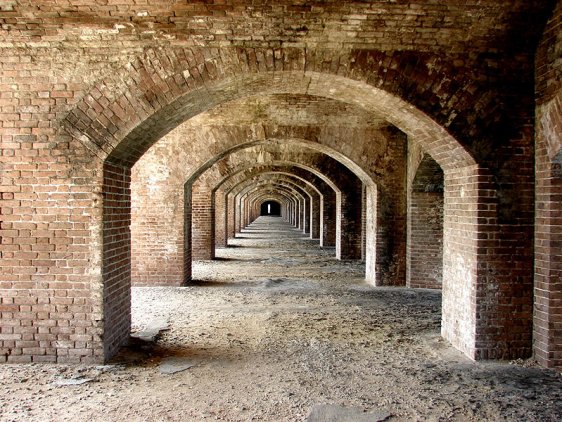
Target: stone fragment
{"points": [[335, 413], [172, 365], [152, 329]]}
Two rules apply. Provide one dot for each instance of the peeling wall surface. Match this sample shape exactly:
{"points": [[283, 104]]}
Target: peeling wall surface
{"points": [[421, 137]]}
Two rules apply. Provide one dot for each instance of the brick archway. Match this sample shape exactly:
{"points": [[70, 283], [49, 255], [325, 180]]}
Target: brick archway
{"points": [[466, 184]]}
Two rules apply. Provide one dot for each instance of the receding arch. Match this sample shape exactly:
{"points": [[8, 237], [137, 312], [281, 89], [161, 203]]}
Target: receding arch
{"points": [[326, 223], [270, 207], [139, 122], [224, 215], [124, 145], [258, 182]]}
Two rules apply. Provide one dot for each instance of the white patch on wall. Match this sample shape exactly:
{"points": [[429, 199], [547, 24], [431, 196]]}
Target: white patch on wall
{"points": [[159, 174]]}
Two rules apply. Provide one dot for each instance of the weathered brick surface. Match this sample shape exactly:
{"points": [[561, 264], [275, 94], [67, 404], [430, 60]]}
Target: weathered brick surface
{"points": [[116, 257], [425, 221], [548, 195], [86, 88]]}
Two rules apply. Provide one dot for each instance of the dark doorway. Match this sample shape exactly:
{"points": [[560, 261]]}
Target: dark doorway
{"points": [[272, 208]]}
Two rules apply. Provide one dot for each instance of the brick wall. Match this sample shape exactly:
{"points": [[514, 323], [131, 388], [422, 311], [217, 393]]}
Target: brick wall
{"points": [[221, 210], [548, 196], [460, 262], [202, 223], [116, 257], [425, 221]]}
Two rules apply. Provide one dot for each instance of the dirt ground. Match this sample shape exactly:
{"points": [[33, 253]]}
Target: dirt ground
{"points": [[272, 329]]}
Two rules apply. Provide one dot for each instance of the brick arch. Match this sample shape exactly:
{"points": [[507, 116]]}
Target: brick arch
{"points": [[144, 111], [285, 174], [274, 178], [250, 194], [271, 207], [283, 147], [283, 203], [306, 189], [348, 219], [303, 152], [357, 168], [198, 238], [258, 187], [121, 117], [254, 197], [326, 223], [281, 200], [315, 219]]}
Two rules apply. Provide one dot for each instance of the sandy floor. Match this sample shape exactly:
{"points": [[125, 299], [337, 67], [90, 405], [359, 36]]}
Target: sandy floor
{"points": [[272, 328]]}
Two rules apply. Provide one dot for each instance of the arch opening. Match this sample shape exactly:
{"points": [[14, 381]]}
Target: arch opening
{"points": [[459, 169]]}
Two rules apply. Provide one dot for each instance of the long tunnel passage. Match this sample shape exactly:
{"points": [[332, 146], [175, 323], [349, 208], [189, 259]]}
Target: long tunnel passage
{"points": [[414, 148]]}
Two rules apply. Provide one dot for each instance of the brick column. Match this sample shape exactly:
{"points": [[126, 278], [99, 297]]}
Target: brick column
{"points": [[221, 212], [306, 215], [231, 217], [370, 208], [202, 223], [116, 258], [348, 242], [187, 230], [329, 220], [548, 262], [547, 324], [315, 217], [239, 214]]}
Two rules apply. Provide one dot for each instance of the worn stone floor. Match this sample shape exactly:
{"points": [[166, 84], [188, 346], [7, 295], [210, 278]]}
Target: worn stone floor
{"points": [[276, 329]]}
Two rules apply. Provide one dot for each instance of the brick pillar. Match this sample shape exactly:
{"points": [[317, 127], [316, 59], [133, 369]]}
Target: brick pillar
{"points": [[187, 230], [231, 217], [483, 315], [348, 243], [547, 327], [424, 255], [329, 220], [246, 220], [547, 323], [239, 214], [315, 217], [371, 199], [116, 268], [285, 211], [306, 215], [293, 212], [297, 222], [202, 223], [460, 260], [391, 237], [364, 222], [221, 211], [425, 240]]}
